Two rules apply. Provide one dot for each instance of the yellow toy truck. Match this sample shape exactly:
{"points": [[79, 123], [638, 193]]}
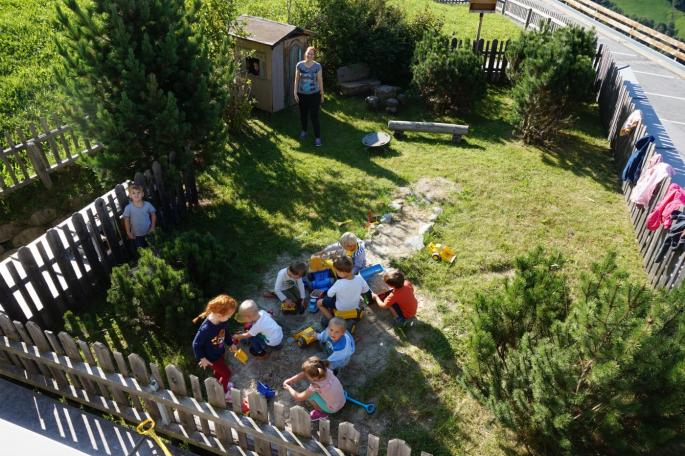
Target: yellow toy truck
{"points": [[305, 337], [441, 252]]}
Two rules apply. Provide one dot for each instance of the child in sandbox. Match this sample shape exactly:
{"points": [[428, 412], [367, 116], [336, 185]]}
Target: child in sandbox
{"points": [[264, 335], [346, 292], [353, 247], [289, 287], [337, 343], [401, 300], [325, 392], [209, 343]]}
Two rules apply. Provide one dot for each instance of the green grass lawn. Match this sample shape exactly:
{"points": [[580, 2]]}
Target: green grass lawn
{"points": [[458, 21], [273, 194], [657, 10]]}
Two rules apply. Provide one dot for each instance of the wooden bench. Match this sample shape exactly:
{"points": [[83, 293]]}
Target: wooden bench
{"points": [[355, 79], [400, 126]]}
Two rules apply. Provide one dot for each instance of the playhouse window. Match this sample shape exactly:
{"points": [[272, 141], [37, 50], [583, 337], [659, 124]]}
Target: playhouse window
{"points": [[254, 66]]}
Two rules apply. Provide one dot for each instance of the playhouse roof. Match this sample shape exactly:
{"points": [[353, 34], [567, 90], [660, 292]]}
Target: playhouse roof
{"points": [[265, 31]]}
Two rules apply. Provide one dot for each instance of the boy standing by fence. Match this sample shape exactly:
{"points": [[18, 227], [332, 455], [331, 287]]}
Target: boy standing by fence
{"points": [[140, 217]]}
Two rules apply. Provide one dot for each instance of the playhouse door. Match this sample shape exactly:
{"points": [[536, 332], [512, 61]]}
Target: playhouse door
{"points": [[294, 56]]}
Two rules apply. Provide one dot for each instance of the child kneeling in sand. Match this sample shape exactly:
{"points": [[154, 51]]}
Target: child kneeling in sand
{"points": [[325, 392], [264, 335]]}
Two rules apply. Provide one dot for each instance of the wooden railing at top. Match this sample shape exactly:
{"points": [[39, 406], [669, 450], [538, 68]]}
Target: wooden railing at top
{"points": [[66, 265], [131, 389], [615, 105], [639, 32], [26, 159]]}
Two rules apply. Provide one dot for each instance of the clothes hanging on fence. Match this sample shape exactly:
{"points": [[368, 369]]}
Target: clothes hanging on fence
{"points": [[675, 197], [631, 122], [674, 239], [631, 172], [654, 173]]}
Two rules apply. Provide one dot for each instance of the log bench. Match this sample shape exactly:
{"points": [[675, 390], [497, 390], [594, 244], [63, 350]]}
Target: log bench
{"points": [[400, 126]]}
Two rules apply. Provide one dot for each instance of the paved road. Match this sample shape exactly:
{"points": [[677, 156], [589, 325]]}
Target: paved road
{"points": [[34, 424], [662, 79]]}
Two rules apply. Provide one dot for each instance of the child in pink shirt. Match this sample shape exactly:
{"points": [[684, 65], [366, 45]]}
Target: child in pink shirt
{"points": [[325, 391]]}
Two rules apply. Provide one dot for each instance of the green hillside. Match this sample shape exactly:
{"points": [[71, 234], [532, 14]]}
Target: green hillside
{"points": [[660, 11]]}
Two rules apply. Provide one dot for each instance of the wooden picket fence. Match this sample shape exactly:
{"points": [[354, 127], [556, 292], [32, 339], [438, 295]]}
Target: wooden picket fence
{"points": [[63, 268], [617, 99], [131, 389], [47, 149], [493, 54]]}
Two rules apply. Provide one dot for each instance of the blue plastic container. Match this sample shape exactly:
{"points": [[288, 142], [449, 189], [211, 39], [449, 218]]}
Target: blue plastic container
{"points": [[371, 271], [312, 308]]}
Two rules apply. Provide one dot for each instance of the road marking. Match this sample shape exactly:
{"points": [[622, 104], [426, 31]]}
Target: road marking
{"points": [[622, 53], [666, 96], [654, 74], [673, 121]]}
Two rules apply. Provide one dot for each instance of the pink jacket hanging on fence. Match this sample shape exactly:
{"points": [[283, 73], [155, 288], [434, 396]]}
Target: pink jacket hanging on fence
{"points": [[675, 197], [656, 172]]}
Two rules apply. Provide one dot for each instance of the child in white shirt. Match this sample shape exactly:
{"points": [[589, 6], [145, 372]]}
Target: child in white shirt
{"points": [[346, 292], [289, 287], [264, 335]]}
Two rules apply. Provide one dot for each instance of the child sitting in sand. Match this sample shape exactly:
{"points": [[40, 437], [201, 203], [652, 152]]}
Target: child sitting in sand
{"points": [[352, 247], [325, 392], [401, 300], [289, 287], [264, 335], [337, 343], [346, 292]]}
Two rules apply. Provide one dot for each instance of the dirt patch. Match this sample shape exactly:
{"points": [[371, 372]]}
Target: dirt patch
{"points": [[375, 337]]}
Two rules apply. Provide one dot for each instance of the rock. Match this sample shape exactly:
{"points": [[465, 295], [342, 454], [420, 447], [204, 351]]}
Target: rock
{"points": [[373, 102], [392, 102], [386, 218], [386, 91], [391, 110], [26, 236], [42, 216], [425, 228], [436, 213], [402, 98], [396, 205], [415, 242], [7, 231], [78, 202]]}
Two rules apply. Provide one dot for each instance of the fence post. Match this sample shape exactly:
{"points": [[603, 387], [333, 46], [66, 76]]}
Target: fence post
{"points": [[530, 13], [34, 155], [504, 8]]}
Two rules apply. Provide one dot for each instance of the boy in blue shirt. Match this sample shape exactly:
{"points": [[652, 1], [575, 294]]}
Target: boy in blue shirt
{"points": [[337, 343]]}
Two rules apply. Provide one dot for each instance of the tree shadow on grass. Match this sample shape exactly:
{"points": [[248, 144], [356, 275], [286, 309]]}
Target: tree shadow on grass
{"points": [[571, 151]]}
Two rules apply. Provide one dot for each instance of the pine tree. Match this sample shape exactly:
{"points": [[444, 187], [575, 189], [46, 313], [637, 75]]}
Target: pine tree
{"points": [[139, 70], [601, 374], [552, 75]]}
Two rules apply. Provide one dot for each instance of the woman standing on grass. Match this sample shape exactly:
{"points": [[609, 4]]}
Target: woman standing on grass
{"points": [[309, 92]]}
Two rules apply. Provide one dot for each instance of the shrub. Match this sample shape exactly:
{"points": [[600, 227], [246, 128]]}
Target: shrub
{"points": [[552, 76], [140, 71], [601, 373], [448, 79], [210, 266], [370, 31], [153, 294]]}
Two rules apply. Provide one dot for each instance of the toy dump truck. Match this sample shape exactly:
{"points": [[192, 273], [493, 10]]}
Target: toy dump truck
{"points": [[441, 252], [305, 337]]}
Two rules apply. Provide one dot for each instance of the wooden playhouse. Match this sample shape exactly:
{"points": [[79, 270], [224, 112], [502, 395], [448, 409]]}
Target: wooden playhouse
{"points": [[271, 51]]}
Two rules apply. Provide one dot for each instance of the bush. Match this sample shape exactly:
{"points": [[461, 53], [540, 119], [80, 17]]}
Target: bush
{"points": [[153, 294], [601, 373], [369, 31], [210, 266], [447, 79], [552, 76]]}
